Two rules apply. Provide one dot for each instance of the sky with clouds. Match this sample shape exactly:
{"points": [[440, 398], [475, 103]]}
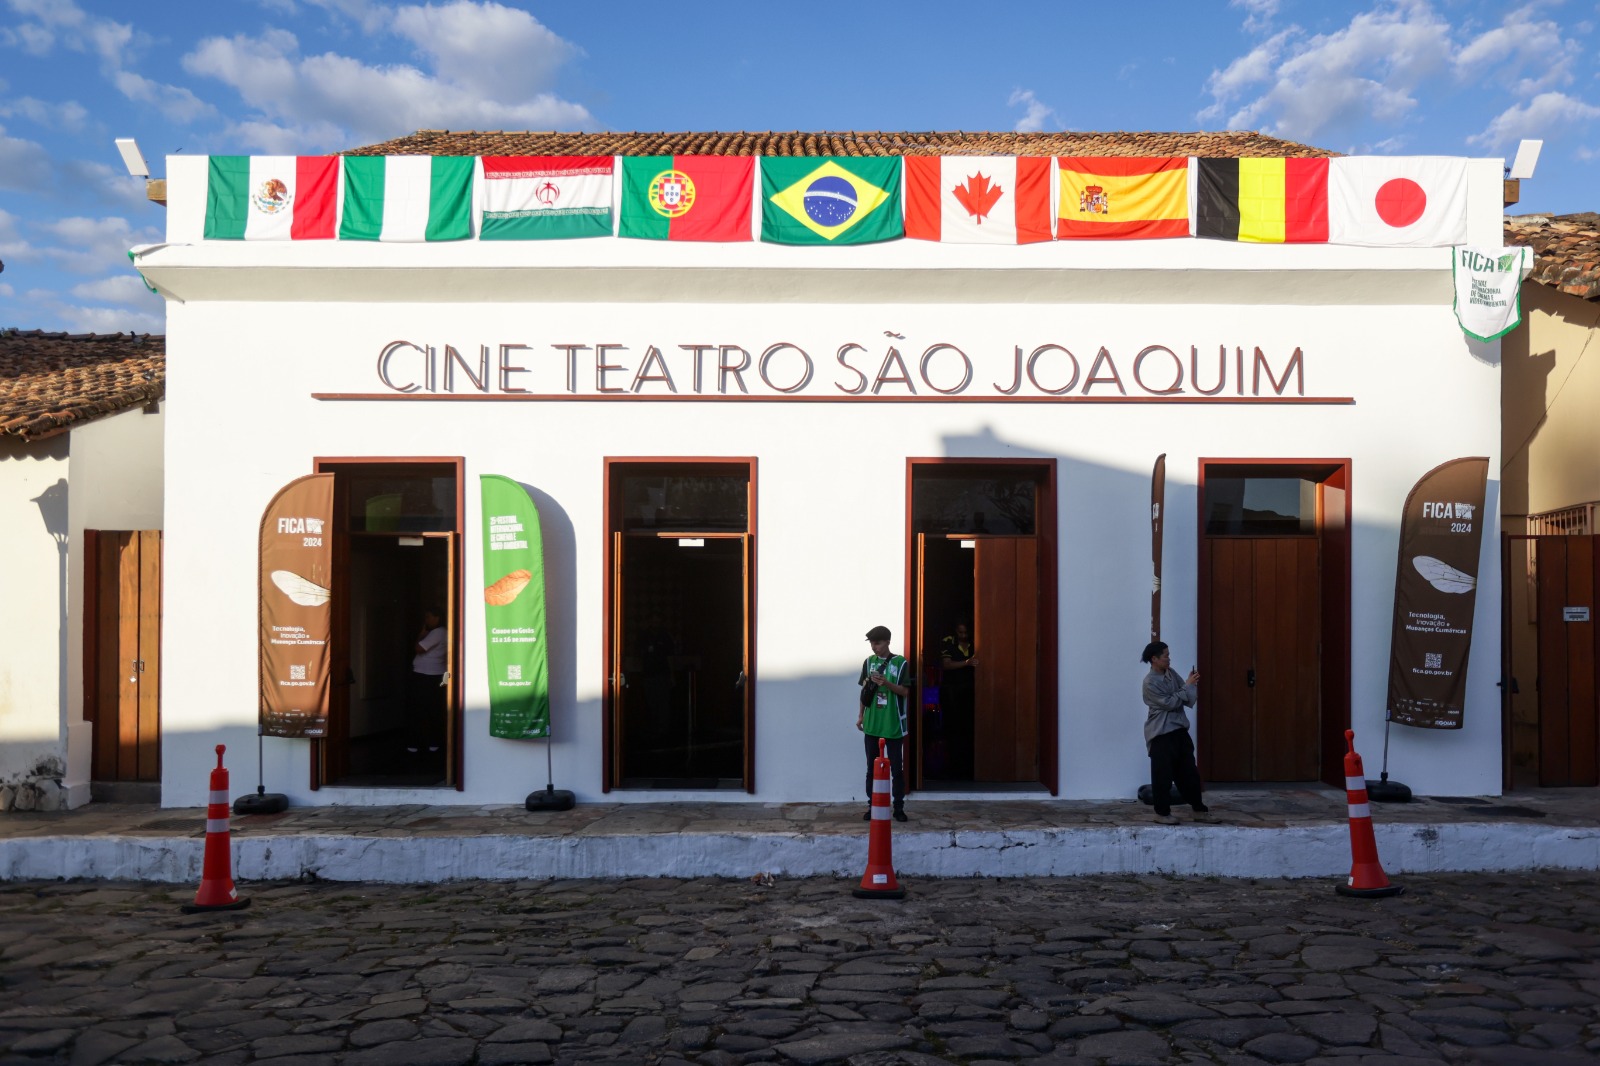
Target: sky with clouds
{"points": [[1397, 77]]}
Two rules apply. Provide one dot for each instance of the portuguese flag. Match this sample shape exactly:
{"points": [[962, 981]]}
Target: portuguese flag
{"points": [[1265, 201], [687, 197]]}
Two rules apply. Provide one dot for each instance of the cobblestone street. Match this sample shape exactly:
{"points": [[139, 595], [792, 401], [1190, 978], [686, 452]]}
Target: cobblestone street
{"points": [[1462, 968]]}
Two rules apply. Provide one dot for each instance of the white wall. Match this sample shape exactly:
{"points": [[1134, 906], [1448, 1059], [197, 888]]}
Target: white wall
{"points": [[1422, 396], [116, 485], [33, 628]]}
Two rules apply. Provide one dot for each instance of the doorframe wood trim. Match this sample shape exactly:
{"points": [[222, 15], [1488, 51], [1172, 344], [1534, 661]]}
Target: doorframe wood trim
{"points": [[1335, 594], [1049, 613], [89, 708], [325, 464], [610, 464]]}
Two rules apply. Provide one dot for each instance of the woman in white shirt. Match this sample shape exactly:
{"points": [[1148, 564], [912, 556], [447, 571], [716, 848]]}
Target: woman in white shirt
{"points": [[425, 697]]}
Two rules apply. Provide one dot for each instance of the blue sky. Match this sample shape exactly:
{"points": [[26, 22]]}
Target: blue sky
{"points": [[1448, 77]]}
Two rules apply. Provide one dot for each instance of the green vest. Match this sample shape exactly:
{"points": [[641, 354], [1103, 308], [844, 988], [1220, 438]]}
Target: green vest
{"points": [[885, 716]]}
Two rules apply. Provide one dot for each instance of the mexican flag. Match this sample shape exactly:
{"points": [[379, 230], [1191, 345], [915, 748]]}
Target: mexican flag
{"points": [[830, 199], [533, 198], [271, 197], [407, 198], [687, 197]]}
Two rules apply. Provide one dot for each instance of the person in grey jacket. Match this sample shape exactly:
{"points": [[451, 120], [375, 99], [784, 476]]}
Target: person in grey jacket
{"points": [[1166, 733]]}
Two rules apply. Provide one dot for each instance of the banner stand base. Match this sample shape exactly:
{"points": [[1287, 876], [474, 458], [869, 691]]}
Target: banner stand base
{"points": [[261, 803], [1387, 791], [551, 798]]}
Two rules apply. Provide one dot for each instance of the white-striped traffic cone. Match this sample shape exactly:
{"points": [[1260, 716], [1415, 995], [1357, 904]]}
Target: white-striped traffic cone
{"points": [[1367, 879], [217, 892]]}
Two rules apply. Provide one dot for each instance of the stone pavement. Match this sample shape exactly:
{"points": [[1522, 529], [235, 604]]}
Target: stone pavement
{"points": [[1496, 970], [1256, 832]]}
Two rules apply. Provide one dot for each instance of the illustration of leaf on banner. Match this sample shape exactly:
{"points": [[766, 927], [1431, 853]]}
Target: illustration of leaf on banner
{"points": [[1443, 576], [978, 196]]}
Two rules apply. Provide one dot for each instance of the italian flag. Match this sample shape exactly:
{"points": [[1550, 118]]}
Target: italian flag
{"points": [[407, 198], [271, 197], [533, 198]]}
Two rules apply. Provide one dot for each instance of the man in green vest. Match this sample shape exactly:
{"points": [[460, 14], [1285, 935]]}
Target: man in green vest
{"points": [[884, 697]]}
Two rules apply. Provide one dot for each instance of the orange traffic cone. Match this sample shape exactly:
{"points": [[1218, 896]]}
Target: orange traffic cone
{"points": [[1367, 879], [878, 882], [216, 875]]}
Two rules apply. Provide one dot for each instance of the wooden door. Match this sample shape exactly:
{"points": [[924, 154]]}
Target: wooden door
{"points": [[1568, 651], [122, 656], [1006, 636], [1261, 688]]}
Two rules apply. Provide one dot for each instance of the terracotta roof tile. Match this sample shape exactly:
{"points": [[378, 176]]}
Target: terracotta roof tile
{"points": [[50, 382], [854, 142], [1566, 250]]}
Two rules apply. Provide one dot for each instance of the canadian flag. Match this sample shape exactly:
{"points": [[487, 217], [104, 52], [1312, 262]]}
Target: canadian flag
{"points": [[979, 199], [1397, 201]]}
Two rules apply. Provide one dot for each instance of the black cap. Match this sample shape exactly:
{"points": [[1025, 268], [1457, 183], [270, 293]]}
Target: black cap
{"points": [[878, 633]]}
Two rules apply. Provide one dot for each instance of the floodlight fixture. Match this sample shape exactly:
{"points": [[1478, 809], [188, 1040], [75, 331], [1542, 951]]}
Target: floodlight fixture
{"points": [[132, 158], [1527, 158]]}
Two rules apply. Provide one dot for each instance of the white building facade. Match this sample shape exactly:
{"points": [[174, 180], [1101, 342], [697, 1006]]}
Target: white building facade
{"points": [[746, 455]]}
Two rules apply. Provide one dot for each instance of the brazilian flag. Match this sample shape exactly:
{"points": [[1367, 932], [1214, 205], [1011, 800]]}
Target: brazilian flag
{"points": [[830, 200]]}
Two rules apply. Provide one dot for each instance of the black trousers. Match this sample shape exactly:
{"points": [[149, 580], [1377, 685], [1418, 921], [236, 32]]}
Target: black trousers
{"points": [[1172, 762], [897, 767], [425, 698]]}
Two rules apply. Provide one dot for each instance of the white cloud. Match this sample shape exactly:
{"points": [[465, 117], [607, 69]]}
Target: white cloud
{"points": [[112, 185], [330, 98], [1259, 12], [1036, 112], [122, 289], [177, 104], [6, 290], [1302, 86], [94, 245], [112, 319], [69, 115], [1520, 43], [1545, 117], [24, 165]]}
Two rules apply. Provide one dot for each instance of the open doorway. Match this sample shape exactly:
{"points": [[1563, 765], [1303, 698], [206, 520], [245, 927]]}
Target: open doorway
{"points": [[983, 611], [393, 714], [681, 617]]}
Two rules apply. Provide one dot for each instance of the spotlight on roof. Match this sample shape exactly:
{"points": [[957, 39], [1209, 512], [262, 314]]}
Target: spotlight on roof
{"points": [[1527, 158], [132, 158]]}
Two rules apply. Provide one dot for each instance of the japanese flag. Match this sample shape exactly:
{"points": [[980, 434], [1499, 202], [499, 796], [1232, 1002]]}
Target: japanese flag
{"points": [[1397, 201]]}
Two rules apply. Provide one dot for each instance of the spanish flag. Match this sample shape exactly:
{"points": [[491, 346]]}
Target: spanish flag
{"points": [[1118, 197], [1266, 201]]}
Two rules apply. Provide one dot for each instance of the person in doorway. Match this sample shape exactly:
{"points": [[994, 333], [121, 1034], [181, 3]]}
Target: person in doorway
{"points": [[958, 660], [882, 714], [1166, 734], [425, 703]]}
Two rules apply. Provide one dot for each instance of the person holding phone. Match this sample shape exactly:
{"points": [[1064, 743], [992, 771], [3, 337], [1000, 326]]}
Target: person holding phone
{"points": [[1166, 734], [882, 714]]}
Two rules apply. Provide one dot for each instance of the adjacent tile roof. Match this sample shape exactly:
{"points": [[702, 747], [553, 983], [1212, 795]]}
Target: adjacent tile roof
{"points": [[50, 382], [1566, 250], [855, 142]]}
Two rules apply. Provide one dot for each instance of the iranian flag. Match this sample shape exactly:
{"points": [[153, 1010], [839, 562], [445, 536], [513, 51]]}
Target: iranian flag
{"points": [[271, 197], [687, 197], [407, 198], [1397, 201], [979, 199], [551, 197]]}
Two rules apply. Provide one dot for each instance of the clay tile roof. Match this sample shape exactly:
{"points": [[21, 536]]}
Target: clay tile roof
{"points": [[855, 142], [50, 382], [1566, 250]]}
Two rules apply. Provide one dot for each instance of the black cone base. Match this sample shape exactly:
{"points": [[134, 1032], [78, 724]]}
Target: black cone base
{"points": [[1388, 792], [878, 893], [200, 908], [551, 799], [1369, 893], [1146, 796], [261, 803]]}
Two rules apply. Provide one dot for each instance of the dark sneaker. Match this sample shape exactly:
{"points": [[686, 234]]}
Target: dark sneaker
{"points": [[1166, 819], [867, 815], [900, 815]]}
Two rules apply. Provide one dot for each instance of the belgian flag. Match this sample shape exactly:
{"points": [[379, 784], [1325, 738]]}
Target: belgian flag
{"points": [[1266, 201]]}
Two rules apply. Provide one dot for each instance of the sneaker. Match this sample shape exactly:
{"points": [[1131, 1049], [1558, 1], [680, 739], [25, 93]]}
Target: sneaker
{"points": [[1202, 814], [433, 747], [412, 749], [1166, 819], [900, 815], [867, 815]]}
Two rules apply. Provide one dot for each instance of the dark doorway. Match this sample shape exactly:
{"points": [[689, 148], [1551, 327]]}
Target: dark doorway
{"points": [[680, 633], [1273, 628], [396, 556], [983, 558]]}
